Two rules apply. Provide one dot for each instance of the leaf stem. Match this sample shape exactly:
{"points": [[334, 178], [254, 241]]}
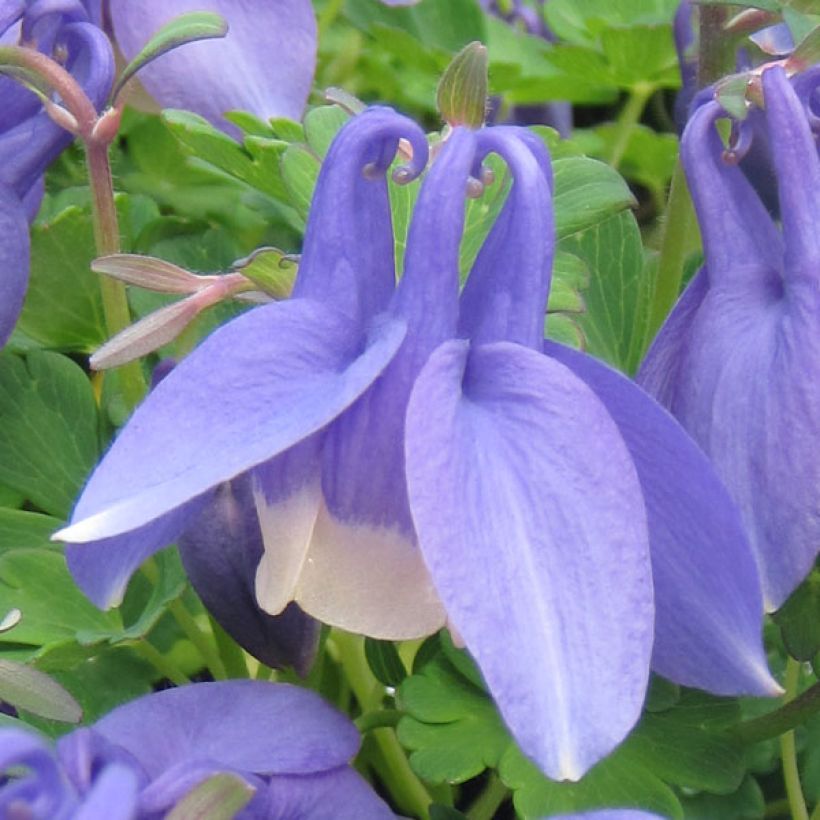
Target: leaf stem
{"points": [[406, 789], [628, 118], [163, 665], [203, 643], [788, 752], [794, 712], [107, 239], [488, 802], [377, 719], [680, 237], [233, 658]]}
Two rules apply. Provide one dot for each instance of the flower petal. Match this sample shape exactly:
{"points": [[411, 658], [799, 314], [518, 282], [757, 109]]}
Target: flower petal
{"points": [[341, 794], [506, 293], [795, 158], [254, 388], [358, 277], [112, 797], [740, 240], [102, 568], [708, 604], [14, 260], [247, 726], [220, 550], [264, 65], [529, 514]]}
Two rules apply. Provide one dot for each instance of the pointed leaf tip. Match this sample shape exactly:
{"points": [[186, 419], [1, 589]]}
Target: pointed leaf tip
{"points": [[187, 28], [462, 91]]}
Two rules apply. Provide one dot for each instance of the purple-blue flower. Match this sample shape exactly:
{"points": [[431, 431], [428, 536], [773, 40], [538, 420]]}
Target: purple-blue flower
{"points": [[264, 65], [738, 360], [418, 457], [290, 748], [29, 139]]}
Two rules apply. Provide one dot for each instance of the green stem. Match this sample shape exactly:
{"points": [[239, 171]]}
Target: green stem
{"points": [[794, 712], [788, 752], [627, 120], [233, 658], [203, 643], [163, 665], [107, 239], [377, 719], [680, 237], [328, 15], [407, 790], [815, 815], [777, 808], [488, 802]]}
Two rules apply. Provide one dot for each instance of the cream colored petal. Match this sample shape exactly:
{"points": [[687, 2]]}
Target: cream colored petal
{"points": [[287, 526], [368, 580]]}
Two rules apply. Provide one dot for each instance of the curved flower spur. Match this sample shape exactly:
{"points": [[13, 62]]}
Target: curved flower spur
{"points": [[738, 360], [528, 486]]}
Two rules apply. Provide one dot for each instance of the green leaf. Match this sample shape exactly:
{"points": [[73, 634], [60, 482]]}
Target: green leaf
{"points": [[685, 746], [384, 661], [187, 28], [799, 619], [300, 170], [48, 429], [272, 270], [446, 26], [26, 688], [451, 727], [616, 781], [145, 603], [747, 803], [20, 528], [218, 798], [103, 682], [63, 308], [53, 609], [641, 55], [321, 126], [256, 163], [586, 193], [617, 298]]}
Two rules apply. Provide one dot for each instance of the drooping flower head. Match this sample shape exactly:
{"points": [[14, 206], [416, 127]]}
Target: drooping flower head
{"points": [[290, 748], [737, 360], [29, 139], [416, 455]]}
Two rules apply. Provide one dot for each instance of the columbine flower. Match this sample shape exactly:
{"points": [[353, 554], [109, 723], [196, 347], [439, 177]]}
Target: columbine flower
{"points": [[534, 485], [29, 139], [265, 64], [737, 360], [289, 747]]}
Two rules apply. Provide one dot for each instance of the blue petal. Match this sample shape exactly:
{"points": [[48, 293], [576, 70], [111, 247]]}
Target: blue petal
{"points": [[112, 797], [341, 794], [348, 249], [708, 604], [221, 549], [740, 241], [529, 514], [265, 64], [254, 388], [795, 158], [14, 260], [506, 293], [102, 568], [245, 726]]}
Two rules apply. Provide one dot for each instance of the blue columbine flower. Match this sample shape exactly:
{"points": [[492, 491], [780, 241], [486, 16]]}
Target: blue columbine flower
{"points": [[291, 749], [29, 139], [737, 360], [550, 498]]}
